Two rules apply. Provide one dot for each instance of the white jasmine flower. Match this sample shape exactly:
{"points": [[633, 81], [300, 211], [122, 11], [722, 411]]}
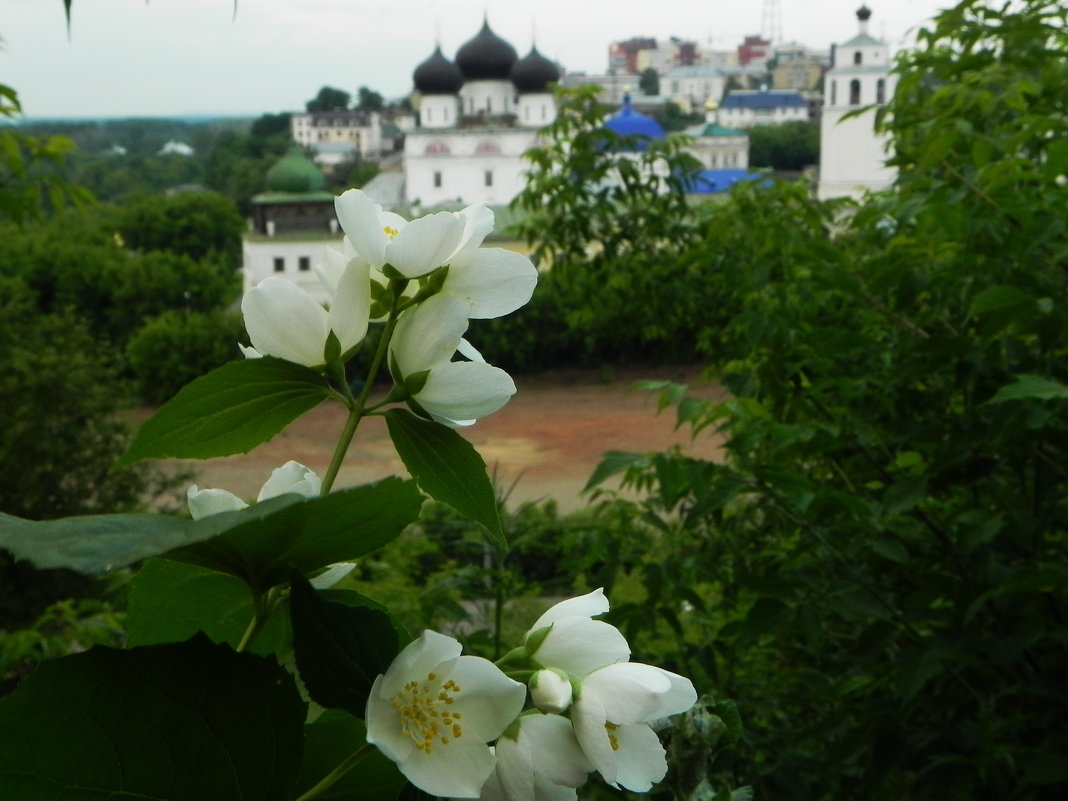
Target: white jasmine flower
{"points": [[283, 320], [421, 349], [611, 716], [566, 637], [538, 759], [290, 477], [433, 713]]}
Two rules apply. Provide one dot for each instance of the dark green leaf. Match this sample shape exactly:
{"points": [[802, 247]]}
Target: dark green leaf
{"points": [[230, 410], [181, 722], [612, 463], [447, 468], [171, 601], [304, 535], [1031, 386], [329, 741], [341, 648], [999, 297]]}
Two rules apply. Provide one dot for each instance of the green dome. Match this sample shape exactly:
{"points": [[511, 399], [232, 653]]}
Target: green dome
{"points": [[295, 173]]}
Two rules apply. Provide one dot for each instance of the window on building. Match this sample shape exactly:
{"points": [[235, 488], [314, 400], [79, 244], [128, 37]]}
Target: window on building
{"points": [[436, 147], [489, 177], [880, 91], [279, 264], [429, 116], [858, 57], [854, 92], [304, 263], [487, 147], [834, 93], [437, 179]]}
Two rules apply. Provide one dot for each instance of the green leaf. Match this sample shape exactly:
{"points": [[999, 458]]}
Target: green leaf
{"points": [[999, 297], [230, 410], [181, 722], [92, 543], [615, 462], [304, 535], [341, 648], [1030, 386], [171, 601], [447, 468], [329, 741]]}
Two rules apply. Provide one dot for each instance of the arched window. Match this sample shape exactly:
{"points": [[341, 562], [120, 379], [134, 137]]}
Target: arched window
{"points": [[834, 93], [435, 148], [487, 147], [854, 92], [858, 57], [880, 91]]}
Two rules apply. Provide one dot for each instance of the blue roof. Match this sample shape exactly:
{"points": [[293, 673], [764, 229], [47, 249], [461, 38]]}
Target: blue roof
{"points": [[628, 122], [710, 182], [772, 98]]}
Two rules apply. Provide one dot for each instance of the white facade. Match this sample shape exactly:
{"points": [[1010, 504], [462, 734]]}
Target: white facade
{"points": [[360, 129], [294, 258], [744, 108], [852, 155], [465, 165]]}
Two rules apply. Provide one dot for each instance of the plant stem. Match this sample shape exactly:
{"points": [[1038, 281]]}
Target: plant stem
{"points": [[356, 410], [263, 605], [336, 774]]}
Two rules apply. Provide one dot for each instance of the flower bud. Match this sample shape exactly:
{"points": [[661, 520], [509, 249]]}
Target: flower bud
{"points": [[551, 691]]}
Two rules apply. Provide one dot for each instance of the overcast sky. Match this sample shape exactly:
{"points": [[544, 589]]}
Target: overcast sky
{"points": [[177, 57]]}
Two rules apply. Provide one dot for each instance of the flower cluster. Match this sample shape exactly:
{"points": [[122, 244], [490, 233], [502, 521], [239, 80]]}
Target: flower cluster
{"points": [[461, 727], [426, 278]]}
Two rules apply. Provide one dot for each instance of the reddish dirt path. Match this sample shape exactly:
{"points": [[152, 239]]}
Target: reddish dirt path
{"points": [[547, 440]]}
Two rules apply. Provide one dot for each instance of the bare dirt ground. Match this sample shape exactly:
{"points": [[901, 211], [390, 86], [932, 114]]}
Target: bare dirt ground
{"points": [[546, 441]]}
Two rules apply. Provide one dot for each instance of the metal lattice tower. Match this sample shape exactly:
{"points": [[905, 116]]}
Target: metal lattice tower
{"points": [[771, 25]]}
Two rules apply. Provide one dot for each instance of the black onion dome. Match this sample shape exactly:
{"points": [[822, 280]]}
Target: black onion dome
{"points": [[437, 75], [863, 13], [534, 72], [487, 57]]}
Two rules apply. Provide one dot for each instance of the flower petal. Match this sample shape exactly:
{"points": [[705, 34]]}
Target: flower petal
{"points": [[425, 244], [421, 656], [588, 718], [488, 700], [460, 391], [591, 604], [350, 307], [429, 334], [630, 692], [556, 753], [478, 224], [579, 646], [384, 725], [283, 320], [496, 281], [291, 477], [457, 770], [207, 502], [359, 218], [640, 760]]}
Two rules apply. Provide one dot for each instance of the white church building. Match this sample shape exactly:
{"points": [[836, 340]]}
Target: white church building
{"points": [[477, 116], [852, 155]]}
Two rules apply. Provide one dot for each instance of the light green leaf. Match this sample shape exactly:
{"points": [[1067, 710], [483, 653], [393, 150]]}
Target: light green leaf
{"points": [[999, 297], [1029, 386], [230, 410], [446, 467], [613, 463], [181, 722]]}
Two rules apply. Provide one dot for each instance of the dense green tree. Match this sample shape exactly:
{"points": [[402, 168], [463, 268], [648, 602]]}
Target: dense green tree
{"points": [[649, 81], [329, 99], [199, 225], [369, 100], [267, 125], [791, 146], [672, 118]]}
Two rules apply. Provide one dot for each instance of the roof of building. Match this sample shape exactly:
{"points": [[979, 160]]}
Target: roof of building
{"points": [[712, 129], [294, 173], [863, 40], [628, 122], [769, 98], [437, 75], [534, 72], [486, 57], [710, 182]]}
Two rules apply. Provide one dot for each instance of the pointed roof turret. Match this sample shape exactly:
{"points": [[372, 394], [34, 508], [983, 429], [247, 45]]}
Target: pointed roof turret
{"points": [[486, 57]]}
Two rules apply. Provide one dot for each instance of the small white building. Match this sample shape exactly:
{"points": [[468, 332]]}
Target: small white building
{"points": [[477, 116], [293, 224], [357, 133], [716, 146], [852, 155], [744, 108]]}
